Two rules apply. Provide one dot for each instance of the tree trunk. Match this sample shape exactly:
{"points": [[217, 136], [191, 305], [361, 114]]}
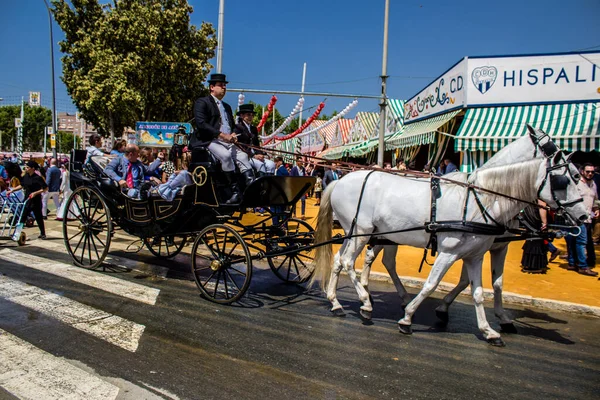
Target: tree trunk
{"points": [[111, 123]]}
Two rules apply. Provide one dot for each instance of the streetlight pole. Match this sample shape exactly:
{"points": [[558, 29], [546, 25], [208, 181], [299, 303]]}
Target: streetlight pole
{"points": [[383, 104], [54, 131]]}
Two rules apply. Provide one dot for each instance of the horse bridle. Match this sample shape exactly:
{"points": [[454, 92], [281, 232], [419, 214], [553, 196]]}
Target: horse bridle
{"points": [[557, 182]]}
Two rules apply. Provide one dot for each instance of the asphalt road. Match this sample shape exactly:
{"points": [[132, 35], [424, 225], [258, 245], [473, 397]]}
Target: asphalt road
{"points": [[282, 342]]}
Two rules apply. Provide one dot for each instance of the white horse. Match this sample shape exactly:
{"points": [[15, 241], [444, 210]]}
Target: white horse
{"points": [[407, 205]]}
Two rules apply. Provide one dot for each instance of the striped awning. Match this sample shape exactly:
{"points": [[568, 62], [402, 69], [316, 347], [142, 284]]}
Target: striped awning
{"points": [[572, 126], [345, 127], [420, 132]]}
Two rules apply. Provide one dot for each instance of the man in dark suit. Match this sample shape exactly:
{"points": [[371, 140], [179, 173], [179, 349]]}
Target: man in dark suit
{"points": [[213, 129], [247, 134], [332, 174]]}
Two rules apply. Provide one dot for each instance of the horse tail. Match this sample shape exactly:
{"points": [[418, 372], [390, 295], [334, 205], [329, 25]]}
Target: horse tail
{"points": [[324, 253]]}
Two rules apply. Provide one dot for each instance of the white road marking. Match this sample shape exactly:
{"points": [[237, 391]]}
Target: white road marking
{"points": [[104, 282], [111, 328], [151, 269], [28, 372]]}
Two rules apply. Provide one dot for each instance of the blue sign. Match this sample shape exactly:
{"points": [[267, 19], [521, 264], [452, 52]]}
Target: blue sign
{"points": [[160, 134]]}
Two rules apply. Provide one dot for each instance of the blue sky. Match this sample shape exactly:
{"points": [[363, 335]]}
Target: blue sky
{"points": [[267, 42]]}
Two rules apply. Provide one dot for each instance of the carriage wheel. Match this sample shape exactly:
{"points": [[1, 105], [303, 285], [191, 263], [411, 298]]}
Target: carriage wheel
{"points": [[221, 264], [165, 246], [296, 267], [87, 227]]}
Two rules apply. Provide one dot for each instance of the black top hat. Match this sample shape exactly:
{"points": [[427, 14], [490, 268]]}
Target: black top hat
{"points": [[246, 108], [214, 78]]}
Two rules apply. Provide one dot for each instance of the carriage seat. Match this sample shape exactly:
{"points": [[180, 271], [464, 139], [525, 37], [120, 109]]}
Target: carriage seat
{"points": [[202, 156], [98, 164]]}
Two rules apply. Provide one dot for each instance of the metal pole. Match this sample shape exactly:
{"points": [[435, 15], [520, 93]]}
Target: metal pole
{"points": [[45, 137], [54, 131], [261, 91], [302, 93], [382, 122], [220, 35]]}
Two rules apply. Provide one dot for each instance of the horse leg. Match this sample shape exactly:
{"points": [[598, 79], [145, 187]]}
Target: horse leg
{"points": [[474, 267], [348, 259], [336, 308], [389, 261], [370, 256], [498, 259], [442, 310], [439, 269]]}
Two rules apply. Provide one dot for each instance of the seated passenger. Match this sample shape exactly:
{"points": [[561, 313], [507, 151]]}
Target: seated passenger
{"points": [[128, 171], [94, 147], [177, 181]]}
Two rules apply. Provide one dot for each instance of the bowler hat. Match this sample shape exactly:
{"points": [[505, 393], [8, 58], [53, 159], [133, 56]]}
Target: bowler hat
{"points": [[246, 108], [214, 78]]}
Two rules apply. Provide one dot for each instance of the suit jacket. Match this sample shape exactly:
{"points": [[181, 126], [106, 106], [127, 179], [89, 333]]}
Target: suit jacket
{"points": [[328, 177], [117, 170], [249, 137], [282, 171], [296, 171], [53, 176], [207, 121]]}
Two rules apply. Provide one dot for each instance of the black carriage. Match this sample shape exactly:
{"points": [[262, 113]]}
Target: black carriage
{"points": [[223, 245]]}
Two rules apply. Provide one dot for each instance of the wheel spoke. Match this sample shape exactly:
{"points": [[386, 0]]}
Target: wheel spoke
{"points": [[238, 271], [95, 247], [83, 248], [74, 236], [296, 267], [217, 284], [224, 242], [289, 269], [225, 284], [233, 280], [208, 279], [234, 247], [209, 247], [280, 265]]}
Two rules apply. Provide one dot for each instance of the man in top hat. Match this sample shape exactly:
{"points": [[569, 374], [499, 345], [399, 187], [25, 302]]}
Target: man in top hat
{"points": [[247, 134], [213, 128]]}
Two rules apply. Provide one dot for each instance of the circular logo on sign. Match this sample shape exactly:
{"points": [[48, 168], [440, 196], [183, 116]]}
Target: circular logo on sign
{"points": [[200, 175]]}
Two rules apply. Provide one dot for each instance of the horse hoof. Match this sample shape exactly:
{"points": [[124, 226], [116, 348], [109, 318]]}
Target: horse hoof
{"points": [[338, 312], [508, 328], [405, 329], [366, 315], [371, 298], [498, 342], [442, 315]]}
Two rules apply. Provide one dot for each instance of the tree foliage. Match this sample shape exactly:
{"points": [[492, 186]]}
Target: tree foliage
{"points": [[133, 60], [34, 122]]}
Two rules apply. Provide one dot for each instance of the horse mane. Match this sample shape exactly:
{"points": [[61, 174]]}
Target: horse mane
{"points": [[515, 180]]}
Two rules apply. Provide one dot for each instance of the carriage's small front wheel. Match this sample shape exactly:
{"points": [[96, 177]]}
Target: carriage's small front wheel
{"points": [[165, 246], [87, 227], [294, 265], [221, 264]]}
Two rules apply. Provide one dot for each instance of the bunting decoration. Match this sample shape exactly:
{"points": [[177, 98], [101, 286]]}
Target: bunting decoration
{"points": [[241, 99], [265, 115], [305, 125], [333, 120], [287, 121]]}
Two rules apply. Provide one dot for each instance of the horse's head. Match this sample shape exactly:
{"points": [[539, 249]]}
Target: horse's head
{"points": [[557, 178]]}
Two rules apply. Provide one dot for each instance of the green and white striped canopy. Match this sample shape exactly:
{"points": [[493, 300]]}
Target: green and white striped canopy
{"points": [[420, 132], [572, 126]]}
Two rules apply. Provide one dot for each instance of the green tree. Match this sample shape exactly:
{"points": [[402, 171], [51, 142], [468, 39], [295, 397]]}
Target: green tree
{"points": [[133, 60], [64, 142], [34, 122]]}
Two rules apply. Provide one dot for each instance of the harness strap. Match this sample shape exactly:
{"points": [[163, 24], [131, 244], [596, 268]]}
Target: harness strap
{"points": [[362, 192]]}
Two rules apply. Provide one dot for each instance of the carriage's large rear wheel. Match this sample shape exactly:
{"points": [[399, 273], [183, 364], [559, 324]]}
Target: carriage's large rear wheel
{"points": [[296, 266], [221, 264], [165, 246], [87, 227]]}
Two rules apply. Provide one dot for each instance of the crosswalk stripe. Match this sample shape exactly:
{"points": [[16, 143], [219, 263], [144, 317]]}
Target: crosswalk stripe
{"points": [[30, 373], [107, 283], [108, 327], [152, 269]]}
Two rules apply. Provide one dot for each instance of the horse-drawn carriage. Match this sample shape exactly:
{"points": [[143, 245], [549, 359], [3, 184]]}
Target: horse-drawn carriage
{"points": [[224, 243]]}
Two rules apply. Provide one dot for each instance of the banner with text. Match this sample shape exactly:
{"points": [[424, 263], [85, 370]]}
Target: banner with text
{"points": [[445, 93], [159, 134], [534, 79]]}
